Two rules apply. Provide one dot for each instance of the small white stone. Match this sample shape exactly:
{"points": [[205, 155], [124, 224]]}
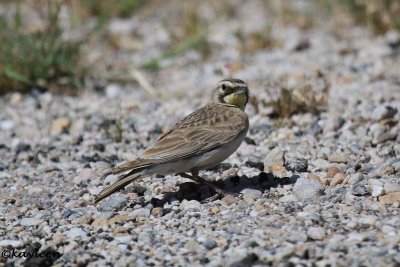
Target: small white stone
{"points": [[254, 213], [368, 220], [142, 212], [288, 198], [75, 232], [251, 193], [12, 243], [316, 233], [30, 221], [391, 187], [377, 191], [123, 238], [6, 125], [192, 204], [355, 178], [113, 90], [376, 187], [94, 191]]}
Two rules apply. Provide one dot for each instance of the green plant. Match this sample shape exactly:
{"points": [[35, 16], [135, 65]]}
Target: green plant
{"points": [[36, 59], [105, 9]]}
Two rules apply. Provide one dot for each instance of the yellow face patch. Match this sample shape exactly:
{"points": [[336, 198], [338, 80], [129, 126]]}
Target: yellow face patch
{"points": [[237, 99]]}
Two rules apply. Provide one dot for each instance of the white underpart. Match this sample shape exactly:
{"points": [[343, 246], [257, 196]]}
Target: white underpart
{"points": [[207, 160]]}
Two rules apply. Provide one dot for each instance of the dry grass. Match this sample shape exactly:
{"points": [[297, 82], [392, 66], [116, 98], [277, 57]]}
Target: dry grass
{"points": [[311, 97], [378, 15]]}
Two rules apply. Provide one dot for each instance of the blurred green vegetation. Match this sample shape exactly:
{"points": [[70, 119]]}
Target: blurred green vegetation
{"points": [[106, 9], [39, 59]]}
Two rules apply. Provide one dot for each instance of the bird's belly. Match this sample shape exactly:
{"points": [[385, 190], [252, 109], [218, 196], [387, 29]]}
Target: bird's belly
{"points": [[216, 156], [205, 161]]}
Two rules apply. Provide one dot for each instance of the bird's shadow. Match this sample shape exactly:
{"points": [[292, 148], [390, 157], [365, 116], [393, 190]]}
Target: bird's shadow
{"points": [[233, 185]]}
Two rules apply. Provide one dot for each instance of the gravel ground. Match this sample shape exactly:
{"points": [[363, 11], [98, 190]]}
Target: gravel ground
{"points": [[316, 190]]}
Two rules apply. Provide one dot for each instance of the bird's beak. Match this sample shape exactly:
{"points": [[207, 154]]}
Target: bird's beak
{"points": [[241, 90]]}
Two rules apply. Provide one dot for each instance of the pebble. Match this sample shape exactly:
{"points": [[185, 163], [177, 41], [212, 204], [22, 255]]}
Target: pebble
{"points": [[383, 112], [125, 239], [85, 175], [122, 218], [279, 171], [274, 157], [390, 198], [338, 157], [333, 123], [254, 162], [368, 220], [359, 190], [12, 243], [250, 194], [307, 190], [2, 168], [30, 221], [246, 260], [192, 246], [22, 147], [114, 203], [190, 204], [6, 125], [210, 244], [391, 187], [296, 165], [316, 233], [384, 136], [100, 222], [215, 210], [389, 170], [157, 212], [254, 213], [60, 125], [141, 213], [288, 198], [231, 172], [338, 178], [355, 178], [229, 200], [376, 187], [113, 90], [332, 171], [75, 233]]}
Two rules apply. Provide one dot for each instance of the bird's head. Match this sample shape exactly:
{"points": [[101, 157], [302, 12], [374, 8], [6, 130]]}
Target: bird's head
{"points": [[232, 91]]}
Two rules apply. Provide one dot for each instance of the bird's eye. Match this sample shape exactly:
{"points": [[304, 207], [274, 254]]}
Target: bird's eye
{"points": [[224, 87]]}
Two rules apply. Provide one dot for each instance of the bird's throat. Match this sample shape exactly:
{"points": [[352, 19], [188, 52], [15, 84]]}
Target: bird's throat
{"points": [[237, 99]]}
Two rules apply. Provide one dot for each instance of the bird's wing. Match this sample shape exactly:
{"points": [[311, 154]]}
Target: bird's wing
{"points": [[204, 130]]}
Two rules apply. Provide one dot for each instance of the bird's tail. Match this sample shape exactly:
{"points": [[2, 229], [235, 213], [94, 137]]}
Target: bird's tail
{"points": [[122, 182]]}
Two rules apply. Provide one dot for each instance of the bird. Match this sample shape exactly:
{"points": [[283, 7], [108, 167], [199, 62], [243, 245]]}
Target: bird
{"points": [[200, 141]]}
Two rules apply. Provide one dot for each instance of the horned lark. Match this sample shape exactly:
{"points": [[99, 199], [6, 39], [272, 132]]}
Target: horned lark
{"points": [[202, 140]]}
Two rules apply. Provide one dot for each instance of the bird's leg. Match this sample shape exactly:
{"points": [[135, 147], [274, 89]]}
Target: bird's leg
{"points": [[195, 177], [201, 180], [191, 177], [219, 192]]}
